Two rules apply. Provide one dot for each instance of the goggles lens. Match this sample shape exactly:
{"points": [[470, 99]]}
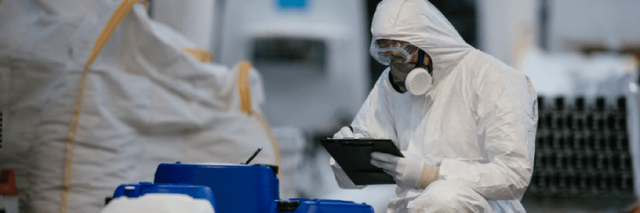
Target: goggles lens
{"points": [[387, 51]]}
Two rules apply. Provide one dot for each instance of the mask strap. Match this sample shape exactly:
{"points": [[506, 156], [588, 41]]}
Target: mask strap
{"points": [[420, 58], [421, 61]]}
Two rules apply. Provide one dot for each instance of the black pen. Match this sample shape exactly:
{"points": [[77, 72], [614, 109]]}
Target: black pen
{"points": [[254, 155]]}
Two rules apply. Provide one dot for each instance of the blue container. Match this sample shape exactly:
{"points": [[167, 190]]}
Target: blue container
{"points": [[319, 206], [238, 187], [197, 192]]}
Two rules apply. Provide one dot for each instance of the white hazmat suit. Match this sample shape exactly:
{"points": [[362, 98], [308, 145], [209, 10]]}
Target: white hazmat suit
{"points": [[477, 123]]}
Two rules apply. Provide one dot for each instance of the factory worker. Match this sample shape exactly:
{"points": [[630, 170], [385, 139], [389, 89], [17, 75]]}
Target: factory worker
{"points": [[465, 121]]}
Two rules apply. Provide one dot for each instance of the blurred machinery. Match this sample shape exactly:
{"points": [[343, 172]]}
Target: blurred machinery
{"points": [[590, 26], [582, 149], [312, 56]]}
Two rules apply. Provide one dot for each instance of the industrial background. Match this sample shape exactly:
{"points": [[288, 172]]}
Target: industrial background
{"points": [[313, 66]]}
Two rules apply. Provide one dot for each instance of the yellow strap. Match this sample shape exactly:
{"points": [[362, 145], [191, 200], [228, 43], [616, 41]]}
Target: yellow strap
{"points": [[244, 92], [118, 15], [198, 54]]}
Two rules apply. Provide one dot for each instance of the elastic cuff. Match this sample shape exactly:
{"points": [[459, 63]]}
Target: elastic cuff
{"points": [[428, 175]]}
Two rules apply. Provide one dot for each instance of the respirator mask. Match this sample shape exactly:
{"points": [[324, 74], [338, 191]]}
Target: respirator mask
{"points": [[404, 76]]}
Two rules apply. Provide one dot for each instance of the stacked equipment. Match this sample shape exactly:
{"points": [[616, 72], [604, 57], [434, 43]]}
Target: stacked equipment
{"points": [[582, 149]]}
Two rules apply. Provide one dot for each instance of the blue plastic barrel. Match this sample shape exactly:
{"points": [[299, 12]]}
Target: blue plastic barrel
{"points": [[237, 187]]}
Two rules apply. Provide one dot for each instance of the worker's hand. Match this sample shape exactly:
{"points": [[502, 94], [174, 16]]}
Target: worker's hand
{"points": [[410, 172], [345, 132]]}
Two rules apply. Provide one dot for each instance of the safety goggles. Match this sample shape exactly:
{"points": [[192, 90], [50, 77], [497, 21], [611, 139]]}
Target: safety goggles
{"points": [[386, 51]]}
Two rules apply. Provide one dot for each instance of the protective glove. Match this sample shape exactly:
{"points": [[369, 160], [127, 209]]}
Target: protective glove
{"points": [[341, 177], [345, 132], [409, 172]]}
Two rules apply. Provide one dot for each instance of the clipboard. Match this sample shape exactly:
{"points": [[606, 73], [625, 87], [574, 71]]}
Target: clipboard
{"points": [[354, 156]]}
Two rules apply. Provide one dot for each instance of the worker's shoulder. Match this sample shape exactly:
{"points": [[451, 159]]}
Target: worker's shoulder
{"points": [[481, 63], [485, 71]]}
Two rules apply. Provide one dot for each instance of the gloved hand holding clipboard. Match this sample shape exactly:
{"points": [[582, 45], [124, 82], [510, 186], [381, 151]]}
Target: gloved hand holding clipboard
{"points": [[354, 156]]}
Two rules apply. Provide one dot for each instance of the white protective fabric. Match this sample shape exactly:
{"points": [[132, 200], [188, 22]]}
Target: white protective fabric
{"points": [[442, 196], [145, 102], [477, 123], [159, 203]]}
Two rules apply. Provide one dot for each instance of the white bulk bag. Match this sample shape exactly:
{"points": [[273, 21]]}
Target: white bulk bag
{"points": [[143, 101]]}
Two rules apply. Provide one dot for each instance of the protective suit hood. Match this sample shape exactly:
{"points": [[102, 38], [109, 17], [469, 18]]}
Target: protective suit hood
{"points": [[421, 24]]}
